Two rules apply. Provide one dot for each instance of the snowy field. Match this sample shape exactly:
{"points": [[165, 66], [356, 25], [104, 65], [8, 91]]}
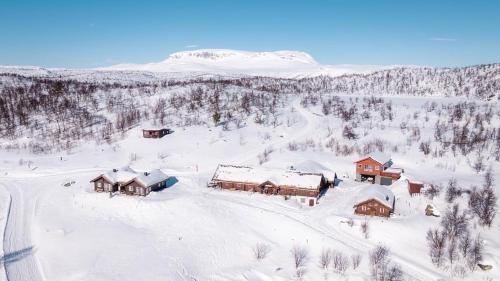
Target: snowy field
{"points": [[63, 231]]}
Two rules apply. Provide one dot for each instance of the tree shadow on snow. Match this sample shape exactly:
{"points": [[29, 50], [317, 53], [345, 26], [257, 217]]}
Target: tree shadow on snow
{"points": [[16, 255]]}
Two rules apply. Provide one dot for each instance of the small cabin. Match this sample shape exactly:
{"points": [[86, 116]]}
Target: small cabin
{"points": [[155, 133], [376, 168], [130, 182], [146, 182], [375, 201], [414, 187], [305, 187], [113, 180]]}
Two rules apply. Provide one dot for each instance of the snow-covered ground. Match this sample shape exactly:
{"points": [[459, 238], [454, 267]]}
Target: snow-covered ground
{"points": [[191, 232]]}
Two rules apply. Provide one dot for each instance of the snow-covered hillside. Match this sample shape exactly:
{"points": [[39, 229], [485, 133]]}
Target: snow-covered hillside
{"points": [[191, 232]]}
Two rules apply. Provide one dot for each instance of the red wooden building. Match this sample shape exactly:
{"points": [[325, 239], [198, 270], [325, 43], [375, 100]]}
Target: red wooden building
{"points": [[155, 133], [414, 187], [377, 169]]}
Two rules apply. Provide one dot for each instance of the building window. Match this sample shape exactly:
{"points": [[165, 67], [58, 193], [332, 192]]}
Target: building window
{"points": [[359, 166], [377, 168], [130, 188], [368, 168], [382, 210]]}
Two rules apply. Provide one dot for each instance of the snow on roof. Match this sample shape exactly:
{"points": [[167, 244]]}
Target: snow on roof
{"points": [[312, 166], [124, 174], [150, 178], [380, 193], [260, 175], [154, 128], [378, 156], [393, 170]]}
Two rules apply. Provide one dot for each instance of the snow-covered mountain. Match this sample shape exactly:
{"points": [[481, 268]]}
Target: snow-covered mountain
{"points": [[286, 64]]}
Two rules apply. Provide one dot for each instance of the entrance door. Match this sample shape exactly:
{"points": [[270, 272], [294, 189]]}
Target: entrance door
{"points": [[311, 202]]}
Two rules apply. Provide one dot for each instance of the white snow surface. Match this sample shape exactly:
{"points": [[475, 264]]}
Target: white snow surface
{"points": [[261, 175], [190, 232]]}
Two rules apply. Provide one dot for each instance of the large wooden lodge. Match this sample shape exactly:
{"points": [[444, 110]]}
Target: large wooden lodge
{"points": [[306, 187]]}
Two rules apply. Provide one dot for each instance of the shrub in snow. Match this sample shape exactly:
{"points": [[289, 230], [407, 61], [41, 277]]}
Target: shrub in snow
{"points": [[300, 256], [379, 261], [454, 223], [349, 133], [432, 190], [356, 261], [436, 241], [453, 191], [340, 262], [475, 254], [465, 244], [365, 229], [260, 251], [483, 202], [325, 259]]}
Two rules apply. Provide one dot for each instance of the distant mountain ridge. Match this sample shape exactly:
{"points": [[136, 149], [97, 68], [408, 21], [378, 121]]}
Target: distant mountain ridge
{"points": [[280, 64]]}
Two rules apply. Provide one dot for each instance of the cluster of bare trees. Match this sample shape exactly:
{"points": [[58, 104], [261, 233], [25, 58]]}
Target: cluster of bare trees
{"points": [[453, 243], [58, 113], [453, 246], [381, 266]]}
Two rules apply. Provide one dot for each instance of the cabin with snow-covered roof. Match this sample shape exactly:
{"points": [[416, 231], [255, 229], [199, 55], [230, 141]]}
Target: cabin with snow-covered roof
{"points": [[130, 182], [155, 132], [146, 182], [377, 169], [306, 187], [111, 181], [375, 201]]}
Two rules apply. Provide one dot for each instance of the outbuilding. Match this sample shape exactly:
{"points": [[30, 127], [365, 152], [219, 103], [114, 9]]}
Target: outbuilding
{"points": [[155, 132], [414, 187]]}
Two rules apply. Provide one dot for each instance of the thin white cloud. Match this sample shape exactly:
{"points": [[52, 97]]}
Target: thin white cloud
{"points": [[191, 46], [443, 39]]}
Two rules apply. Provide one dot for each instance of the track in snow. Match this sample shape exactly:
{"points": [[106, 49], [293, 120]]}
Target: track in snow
{"points": [[19, 252]]}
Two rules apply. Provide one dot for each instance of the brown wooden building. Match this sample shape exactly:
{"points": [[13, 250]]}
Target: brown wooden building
{"points": [[155, 133], [306, 187], [129, 182], [377, 169], [146, 182], [113, 180], [375, 201]]}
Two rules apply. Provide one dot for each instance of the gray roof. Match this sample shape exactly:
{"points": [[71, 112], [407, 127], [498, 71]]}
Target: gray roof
{"points": [[150, 178], [379, 193]]}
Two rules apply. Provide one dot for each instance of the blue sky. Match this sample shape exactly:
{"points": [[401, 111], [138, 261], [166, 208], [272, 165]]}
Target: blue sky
{"points": [[97, 33]]}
